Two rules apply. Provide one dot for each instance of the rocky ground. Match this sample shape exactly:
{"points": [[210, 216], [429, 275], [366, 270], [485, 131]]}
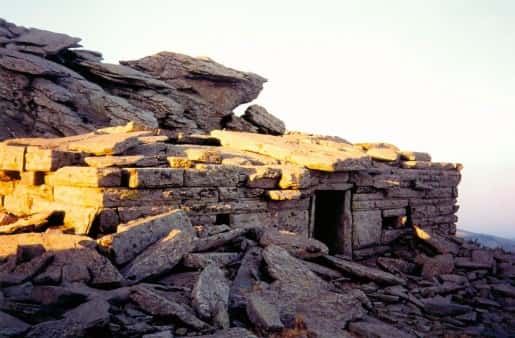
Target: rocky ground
{"points": [[162, 277]]}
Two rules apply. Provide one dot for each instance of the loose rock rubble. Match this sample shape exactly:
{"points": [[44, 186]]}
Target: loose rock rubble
{"points": [[60, 285], [186, 230]]}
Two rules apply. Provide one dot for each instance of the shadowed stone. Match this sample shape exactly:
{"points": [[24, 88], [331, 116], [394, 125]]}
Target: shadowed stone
{"points": [[210, 296], [157, 305], [133, 237]]}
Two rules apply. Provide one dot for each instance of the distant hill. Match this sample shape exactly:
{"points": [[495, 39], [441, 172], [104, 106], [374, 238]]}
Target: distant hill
{"points": [[489, 241]]}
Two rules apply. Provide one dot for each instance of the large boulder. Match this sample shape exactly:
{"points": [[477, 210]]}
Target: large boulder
{"points": [[263, 120], [206, 90]]}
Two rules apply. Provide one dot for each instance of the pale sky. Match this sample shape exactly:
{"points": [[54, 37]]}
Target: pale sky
{"points": [[435, 76]]}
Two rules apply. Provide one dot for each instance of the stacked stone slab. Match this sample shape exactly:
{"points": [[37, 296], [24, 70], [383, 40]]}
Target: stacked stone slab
{"points": [[115, 175]]}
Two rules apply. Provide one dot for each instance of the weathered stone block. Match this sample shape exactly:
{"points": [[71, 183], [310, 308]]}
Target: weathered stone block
{"points": [[236, 193], [210, 296], [107, 144], [81, 196], [38, 159], [122, 161], [366, 228], [203, 155], [297, 245], [133, 237], [266, 122], [154, 177], [41, 191], [212, 176], [368, 197], [87, 177], [153, 149], [12, 157], [262, 177], [163, 255]]}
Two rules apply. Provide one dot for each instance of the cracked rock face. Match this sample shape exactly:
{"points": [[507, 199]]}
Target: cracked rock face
{"points": [[48, 87]]}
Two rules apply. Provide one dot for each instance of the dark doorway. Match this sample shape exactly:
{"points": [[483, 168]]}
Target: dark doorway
{"points": [[329, 219]]}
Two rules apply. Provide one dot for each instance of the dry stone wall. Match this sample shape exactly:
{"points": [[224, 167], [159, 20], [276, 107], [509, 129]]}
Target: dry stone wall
{"points": [[116, 175]]}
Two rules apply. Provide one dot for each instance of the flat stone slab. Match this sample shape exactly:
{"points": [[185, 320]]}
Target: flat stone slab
{"points": [[107, 144], [296, 245], [134, 237], [155, 177], [153, 303], [298, 149], [35, 222], [122, 161], [37, 159], [210, 296], [362, 271], [163, 255], [288, 269]]}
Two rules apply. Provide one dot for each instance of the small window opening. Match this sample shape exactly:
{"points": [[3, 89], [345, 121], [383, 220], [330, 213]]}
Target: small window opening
{"points": [[395, 222], [223, 219]]}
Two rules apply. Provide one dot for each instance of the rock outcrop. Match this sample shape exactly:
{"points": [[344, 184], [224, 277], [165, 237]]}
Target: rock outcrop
{"points": [[51, 87]]}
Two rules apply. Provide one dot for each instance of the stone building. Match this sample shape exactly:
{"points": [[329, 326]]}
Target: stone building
{"points": [[243, 172], [356, 198]]}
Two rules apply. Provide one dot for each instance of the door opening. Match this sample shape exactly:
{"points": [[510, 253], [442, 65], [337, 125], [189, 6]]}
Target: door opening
{"points": [[329, 219]]}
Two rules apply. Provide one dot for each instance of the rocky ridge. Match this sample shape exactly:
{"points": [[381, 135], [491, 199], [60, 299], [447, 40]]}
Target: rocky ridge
{"points": [[51, 87]]}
